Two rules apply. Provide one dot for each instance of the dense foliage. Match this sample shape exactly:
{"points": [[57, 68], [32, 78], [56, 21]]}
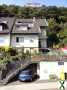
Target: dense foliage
{"points": [[56, 17]]}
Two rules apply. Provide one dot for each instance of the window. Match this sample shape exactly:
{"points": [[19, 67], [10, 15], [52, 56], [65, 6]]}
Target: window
{"points": [[43, 32], [24, 28], [30, 25], [31, 40], [3, 26], [5, 22], [19, 39], [42, 27], [0, 27], [60, 63]]}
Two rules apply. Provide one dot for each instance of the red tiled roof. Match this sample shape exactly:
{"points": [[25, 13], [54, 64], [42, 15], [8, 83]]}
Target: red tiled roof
{"points": [[38, 58]]}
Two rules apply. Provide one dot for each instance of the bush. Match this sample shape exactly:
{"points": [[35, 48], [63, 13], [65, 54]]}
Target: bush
{"points": [[14, 58], [4, 60], [11, 51], [53, 77], [22, 54], [27, 54], [2, 49]]}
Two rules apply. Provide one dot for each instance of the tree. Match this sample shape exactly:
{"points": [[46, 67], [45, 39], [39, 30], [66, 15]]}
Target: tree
{"points": [[53, 29]]}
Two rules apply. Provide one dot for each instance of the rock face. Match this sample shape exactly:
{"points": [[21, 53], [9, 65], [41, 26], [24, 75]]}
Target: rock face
{"points": [[12, 69]]}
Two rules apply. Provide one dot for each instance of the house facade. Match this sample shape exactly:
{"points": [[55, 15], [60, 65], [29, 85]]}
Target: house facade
{"points": [[5, 29], [26, 33]]}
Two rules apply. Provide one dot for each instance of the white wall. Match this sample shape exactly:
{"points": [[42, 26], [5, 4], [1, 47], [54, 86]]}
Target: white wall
{"points": [[47, 68], [65, 66], [4, 40], [26, 42]]}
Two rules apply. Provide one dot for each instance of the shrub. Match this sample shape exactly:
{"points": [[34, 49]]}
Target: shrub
{"points": [[14, 58], [2, 49], [4, 60], [53, 77], [27, 54], [23, 54], [11, 51]]}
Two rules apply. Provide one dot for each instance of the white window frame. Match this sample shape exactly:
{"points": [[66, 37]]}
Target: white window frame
{"points": [[1, 28], [20, 39], [30, 25], [31, 40], [23, 28]]}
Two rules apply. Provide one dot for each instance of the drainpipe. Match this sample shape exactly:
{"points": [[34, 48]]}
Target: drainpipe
{"points": [[11, 30]]}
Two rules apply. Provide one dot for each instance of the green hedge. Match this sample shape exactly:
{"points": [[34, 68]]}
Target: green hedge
{"points": [[53, 77]]}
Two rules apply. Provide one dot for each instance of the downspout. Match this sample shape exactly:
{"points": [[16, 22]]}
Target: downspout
{"points": [[11, 30]]}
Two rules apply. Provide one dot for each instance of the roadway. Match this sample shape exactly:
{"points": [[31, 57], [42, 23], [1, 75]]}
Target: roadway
{"points": [[36, 85]]}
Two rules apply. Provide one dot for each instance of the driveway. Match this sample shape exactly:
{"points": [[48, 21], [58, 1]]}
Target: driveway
{"points": [[36, 85]]}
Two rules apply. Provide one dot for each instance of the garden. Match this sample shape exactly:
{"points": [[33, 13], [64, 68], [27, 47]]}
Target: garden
{"points": [[11, 59]]}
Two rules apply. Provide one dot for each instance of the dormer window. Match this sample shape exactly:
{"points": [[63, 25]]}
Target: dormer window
{"points": [[3, 26], [5, 22], [21, 27], [0, 27]]}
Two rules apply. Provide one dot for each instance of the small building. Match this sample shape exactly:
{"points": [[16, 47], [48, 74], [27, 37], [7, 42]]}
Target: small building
{"points": [[50, 67]]}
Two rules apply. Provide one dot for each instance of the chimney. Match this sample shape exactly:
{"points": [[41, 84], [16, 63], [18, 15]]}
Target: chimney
{"points": [[34, 19]]}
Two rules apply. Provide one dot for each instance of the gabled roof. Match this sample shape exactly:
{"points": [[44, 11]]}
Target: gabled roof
{"points": [[41, 22], [7, 21], [35, 29], [12, 23]]}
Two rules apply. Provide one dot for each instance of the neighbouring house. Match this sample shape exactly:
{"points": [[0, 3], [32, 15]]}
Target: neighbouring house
{"points": [[6, 24], [26, 33]]}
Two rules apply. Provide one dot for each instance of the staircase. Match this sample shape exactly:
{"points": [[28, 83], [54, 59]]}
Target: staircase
{"points": [[14, 72]]}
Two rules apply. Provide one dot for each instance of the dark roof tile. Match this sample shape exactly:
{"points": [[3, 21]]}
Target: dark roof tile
{"points": [[34, 29], [9, 22]]}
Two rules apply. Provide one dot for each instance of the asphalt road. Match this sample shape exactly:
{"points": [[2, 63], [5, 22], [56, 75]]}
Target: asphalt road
{"points": [[30, 86], [36, 85]]}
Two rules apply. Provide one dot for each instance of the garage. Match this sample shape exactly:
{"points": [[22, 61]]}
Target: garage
{"points": [[51, 69]]}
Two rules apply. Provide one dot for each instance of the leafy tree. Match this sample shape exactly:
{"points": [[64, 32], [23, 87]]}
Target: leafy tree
{"points": [[53, 29]]}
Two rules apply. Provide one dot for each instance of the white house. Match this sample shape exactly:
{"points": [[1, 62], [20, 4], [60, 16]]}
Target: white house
{"points": [[27, 33], [28, 42], [31, 34], [6, 24]]}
